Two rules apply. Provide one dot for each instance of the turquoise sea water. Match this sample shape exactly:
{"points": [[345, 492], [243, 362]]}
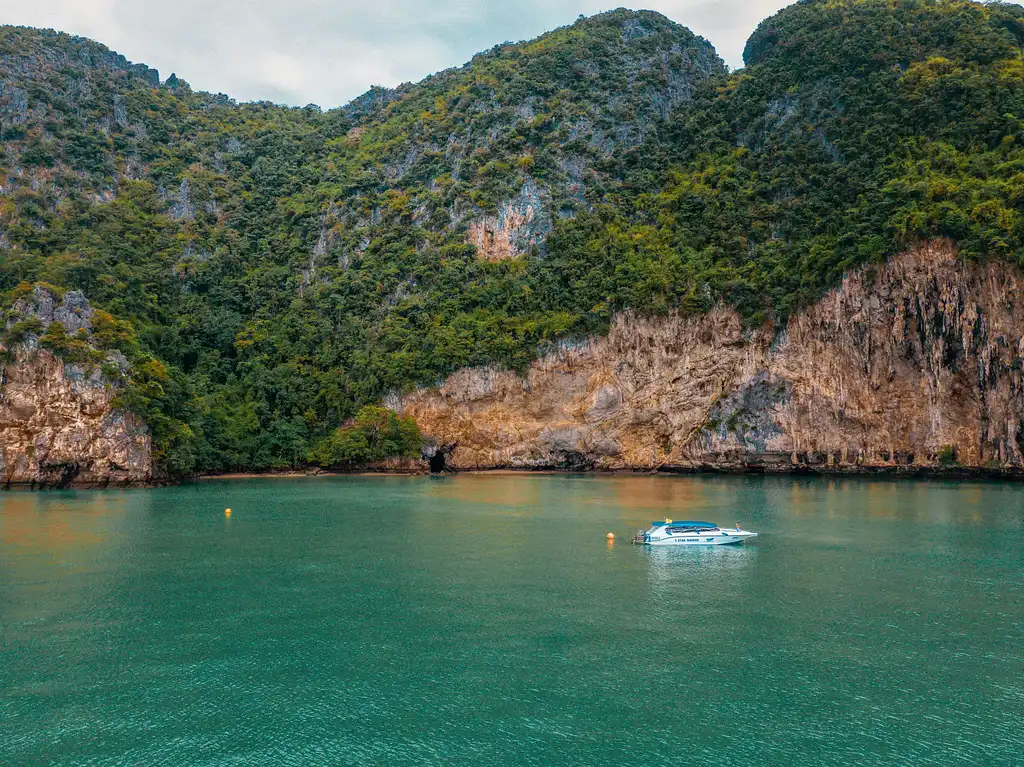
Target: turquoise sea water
{"points": [[485, 620]]}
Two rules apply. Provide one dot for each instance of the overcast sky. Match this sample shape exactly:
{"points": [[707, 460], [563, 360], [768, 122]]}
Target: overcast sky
{"points": [[329, 51]]}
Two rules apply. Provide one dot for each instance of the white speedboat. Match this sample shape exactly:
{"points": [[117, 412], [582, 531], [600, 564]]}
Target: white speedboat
{"points": [[669, 533]]}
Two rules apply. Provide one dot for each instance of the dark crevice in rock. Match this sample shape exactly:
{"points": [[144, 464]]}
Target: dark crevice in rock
{"points": [[574, 460], [438, 458]]}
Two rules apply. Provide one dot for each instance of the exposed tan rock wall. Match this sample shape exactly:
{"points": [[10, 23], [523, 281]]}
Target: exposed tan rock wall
{"points": [[495, 238], [907, 365], [58, 428], [519, 224]]}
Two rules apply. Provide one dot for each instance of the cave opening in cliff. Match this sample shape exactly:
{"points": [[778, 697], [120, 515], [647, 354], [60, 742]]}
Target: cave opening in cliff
{"points": [[438, 463], [574, 460], [439, 459]]}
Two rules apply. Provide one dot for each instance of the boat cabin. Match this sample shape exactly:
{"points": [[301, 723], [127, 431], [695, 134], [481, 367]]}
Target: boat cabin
{"points": [[668, 527], [670, 533]]}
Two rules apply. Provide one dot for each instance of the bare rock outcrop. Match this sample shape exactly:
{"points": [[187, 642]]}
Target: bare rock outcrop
{"points": [[60, 425], [520, 224], [59, 428], [913, 365]]}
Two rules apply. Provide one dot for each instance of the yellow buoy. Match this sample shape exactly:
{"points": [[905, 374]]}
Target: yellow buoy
{"points": [[611, 536], [227, 512]]}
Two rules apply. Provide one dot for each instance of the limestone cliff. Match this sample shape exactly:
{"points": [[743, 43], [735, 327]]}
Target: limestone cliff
{"points": [[911, 365], [59, 424], [519, 225]]}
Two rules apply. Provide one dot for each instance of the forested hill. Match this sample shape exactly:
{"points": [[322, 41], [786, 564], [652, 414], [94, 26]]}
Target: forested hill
{"points": [[269, 271]]}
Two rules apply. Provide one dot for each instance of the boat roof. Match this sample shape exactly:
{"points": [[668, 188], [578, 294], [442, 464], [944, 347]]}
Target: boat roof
{"points": [[701, 525]]}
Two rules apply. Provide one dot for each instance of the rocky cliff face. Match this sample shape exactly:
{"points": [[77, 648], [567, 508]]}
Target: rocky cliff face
{"points": [[59, 424], [519, 225], [913, 365], [58, 428]]}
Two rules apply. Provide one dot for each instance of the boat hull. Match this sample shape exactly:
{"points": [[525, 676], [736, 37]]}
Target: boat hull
{"points": [[681, 541], [713, 538]]}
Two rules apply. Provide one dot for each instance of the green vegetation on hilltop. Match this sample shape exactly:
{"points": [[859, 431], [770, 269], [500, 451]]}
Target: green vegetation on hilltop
{"points": [[281, 269], [856, 130]]}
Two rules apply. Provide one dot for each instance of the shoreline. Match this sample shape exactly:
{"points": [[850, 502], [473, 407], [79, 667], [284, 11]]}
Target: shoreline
{"points": [[898, 472], [766, 469], [892, 473]]}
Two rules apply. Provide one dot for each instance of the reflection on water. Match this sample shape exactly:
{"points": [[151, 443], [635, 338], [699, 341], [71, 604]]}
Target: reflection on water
{"points": [[508, 495], [713, 572], [50, 543], [487, 620], [658, 496], [43, 525]]}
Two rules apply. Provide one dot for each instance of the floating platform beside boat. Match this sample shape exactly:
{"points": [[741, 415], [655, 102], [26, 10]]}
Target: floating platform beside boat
{"points": [[689, 533]]}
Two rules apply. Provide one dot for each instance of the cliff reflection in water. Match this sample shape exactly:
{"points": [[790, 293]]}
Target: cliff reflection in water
{"points": [[60, 553]]}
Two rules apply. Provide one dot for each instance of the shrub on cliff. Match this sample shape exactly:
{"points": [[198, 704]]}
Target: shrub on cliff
{"points": [[947, 456], [375, 434], [21, 330], [75, 349]]}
